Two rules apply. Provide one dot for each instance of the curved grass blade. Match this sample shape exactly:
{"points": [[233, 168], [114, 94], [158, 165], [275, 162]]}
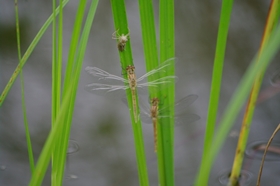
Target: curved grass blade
{"points": [[28, 53]]}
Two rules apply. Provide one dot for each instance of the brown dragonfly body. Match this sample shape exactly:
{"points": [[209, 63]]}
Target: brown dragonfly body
{"points": [[132, 85], [154, 116]]}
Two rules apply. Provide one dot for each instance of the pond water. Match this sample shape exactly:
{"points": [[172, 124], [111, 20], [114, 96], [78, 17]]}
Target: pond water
{"points": [[102, 148]]}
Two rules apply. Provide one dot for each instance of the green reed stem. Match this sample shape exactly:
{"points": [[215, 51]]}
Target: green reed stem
{"points": [[27, 134], [203, 176], [121, 26], [167, 51]]}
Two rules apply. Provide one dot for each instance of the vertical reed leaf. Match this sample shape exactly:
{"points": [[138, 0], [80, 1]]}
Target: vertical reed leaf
{"points": [[202, 178], [77, 67], [27, 134], [61, 129], [151, 58], [121, 27], [166, 125], [56, 86], [48, 148], [148, 36]]}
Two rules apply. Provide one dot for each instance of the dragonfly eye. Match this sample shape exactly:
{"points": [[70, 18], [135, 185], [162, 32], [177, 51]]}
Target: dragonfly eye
{"points": [[130, 69], [155, 101]]}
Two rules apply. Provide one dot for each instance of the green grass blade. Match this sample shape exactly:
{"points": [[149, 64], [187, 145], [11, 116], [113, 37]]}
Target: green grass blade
{"points": [[26, 126], [17, 30], [61, 129], [59, 52], [120, 20], [149, 36], [216, 84], [165, 134], [55, 93], [55, 107], [151, 59], [238, 100], [56, 86], [166, 125], [81, 48], [27, 54], [28, 140], [272, 19], [70, 66], [49, 146]]}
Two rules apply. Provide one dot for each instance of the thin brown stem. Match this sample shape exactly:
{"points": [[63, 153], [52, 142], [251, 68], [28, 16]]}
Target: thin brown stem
{"points": [[264, 154]]}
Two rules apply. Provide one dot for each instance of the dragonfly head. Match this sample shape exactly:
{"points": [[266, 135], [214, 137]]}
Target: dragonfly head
{"points": [[154, 101], [130, 69]]}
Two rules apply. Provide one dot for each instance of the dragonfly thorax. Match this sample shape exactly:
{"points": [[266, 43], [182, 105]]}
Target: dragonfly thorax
{"points": [[155, 101], [131, 76], [154, 108], [130, 69]]}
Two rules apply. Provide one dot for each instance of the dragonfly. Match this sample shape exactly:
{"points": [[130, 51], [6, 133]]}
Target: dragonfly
{"points": [[131, 82], [152, 114]]}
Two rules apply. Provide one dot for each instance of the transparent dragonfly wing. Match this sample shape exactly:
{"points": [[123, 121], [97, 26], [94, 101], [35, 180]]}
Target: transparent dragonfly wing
{"points": [[145, 113], [106, 82], [181, 115], [105, 87], [180, 106], [144, 110], [103, 75], [157, 75], [185, 119]]}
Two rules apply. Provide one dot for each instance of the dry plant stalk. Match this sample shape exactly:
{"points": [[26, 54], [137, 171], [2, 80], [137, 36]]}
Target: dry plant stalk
{"points": [[264, 154]]}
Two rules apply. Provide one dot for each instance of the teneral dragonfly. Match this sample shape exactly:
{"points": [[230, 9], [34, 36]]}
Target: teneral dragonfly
{"points": [[131, 82], [181, 116]]}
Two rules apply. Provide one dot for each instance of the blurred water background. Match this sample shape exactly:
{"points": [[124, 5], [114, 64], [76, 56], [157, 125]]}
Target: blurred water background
{"points": [[101, 124]]}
